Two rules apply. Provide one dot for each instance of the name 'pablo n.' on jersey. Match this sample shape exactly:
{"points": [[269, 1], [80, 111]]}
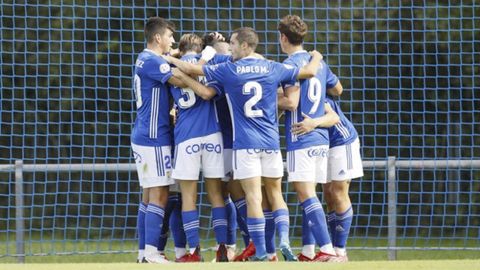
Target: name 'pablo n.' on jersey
{"points": [[250, 85], [196, 117], [152, 125], [311, 103], [343, 132]]}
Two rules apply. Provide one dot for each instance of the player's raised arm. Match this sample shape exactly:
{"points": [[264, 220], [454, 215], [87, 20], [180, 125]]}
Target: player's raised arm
{"points": [[330, 118], [200, 90], [311, 68], [189, 68]]}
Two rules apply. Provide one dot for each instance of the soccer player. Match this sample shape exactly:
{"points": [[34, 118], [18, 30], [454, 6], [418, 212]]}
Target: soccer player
{"points": [[151, 137], [307, 153], [198, 147], [344, 164], [250, 85]]}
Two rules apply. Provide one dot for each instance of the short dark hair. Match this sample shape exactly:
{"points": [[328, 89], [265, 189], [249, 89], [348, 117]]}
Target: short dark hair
{"points": [[294, 28], [210, 40], [248, 35], [190, 42], [157, 25]]}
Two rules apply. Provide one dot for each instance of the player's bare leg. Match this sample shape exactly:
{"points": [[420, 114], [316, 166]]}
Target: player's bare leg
{"points": [[340, 209], [252, 187], [213, 187], [156, 198], [190, 219], [273, 189]]}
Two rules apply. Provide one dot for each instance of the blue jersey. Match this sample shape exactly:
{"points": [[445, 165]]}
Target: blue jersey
{"points": [[224, 119], [250, 86], [196, 117], [311, 103], [152, 125], [344, 132]]}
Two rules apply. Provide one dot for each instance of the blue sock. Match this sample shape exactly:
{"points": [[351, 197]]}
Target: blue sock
{"points": [[241, 206], [282, 223], [269, 231], [343, 222], [219, 220], [331, 225], [176, 225], [153, 224], [191, 225], [232, 221], [256, 230], [316, 217], [172, 200], [307, 236], [142, 209]]}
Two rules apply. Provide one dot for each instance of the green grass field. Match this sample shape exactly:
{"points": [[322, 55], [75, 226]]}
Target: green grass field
{"points": [[365, 265]]}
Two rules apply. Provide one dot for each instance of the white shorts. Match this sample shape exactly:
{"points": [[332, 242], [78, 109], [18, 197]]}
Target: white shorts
{"points": [[308, 165], [227, 164], [205, 153], [345, 162], [153, 165], [249, 163]]}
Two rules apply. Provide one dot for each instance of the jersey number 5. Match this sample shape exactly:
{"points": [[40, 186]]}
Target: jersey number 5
{"points": [[187, 99], [257, 90]]}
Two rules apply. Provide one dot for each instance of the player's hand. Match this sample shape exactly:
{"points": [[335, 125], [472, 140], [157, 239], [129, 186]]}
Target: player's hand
{"points": [[217, 36], [304, 127], [315, 53], [208, 53]]}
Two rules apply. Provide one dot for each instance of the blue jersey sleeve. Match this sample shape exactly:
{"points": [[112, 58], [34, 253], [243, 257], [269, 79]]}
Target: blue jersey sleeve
{"points": [[215, 85], [285, 72], [332, 79], [220, 58], [214, 73], [294, 81], [159, 70]]}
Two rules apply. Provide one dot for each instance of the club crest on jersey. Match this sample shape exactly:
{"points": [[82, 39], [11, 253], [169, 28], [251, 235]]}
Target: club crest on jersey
{"points": [[164, 68]]}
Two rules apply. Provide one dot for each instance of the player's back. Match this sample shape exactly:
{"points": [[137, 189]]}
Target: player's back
{"points": [[196, 117], [311, 103], [250, 85], [152, 125], [343, 132]]}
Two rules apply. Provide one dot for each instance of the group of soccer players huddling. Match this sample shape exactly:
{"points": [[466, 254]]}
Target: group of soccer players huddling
{"points": [[226, 102]]}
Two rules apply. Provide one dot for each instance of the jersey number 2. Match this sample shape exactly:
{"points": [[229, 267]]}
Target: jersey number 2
{"points": [[257, 90]]}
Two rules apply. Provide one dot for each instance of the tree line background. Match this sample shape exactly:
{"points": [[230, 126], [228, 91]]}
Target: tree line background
{"points": [[409, 69]]}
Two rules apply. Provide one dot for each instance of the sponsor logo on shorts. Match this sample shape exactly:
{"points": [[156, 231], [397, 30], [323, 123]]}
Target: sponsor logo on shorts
{"points": [[317, 152], [209, 147], [342, 172], [258, 151]]}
